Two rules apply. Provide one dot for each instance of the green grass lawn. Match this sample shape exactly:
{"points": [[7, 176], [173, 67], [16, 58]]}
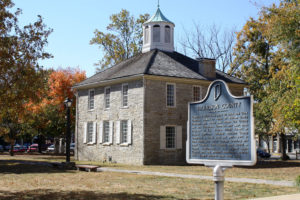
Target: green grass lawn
{"points": [[25, 181]]}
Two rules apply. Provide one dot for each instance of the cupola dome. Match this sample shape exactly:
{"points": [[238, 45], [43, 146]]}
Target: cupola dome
{"points": [[158, 33]]}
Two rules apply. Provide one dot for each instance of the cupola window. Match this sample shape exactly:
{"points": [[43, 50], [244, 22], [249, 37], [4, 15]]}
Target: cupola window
{"points": [[156, 33], [146, 34], [167, 34]]}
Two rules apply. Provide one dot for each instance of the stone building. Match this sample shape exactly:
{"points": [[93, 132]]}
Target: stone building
{"points": [[136, 111]]}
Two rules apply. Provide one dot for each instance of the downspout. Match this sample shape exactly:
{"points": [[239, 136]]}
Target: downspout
{"points": [[76, 130], [144, 99]]}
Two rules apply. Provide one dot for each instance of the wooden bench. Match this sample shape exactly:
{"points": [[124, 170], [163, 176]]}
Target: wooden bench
{"points": [[88, 168]]}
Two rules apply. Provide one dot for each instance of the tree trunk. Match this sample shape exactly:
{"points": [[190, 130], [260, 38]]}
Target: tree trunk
{"points": [[268, 145], [284, 156], [11, 150]]}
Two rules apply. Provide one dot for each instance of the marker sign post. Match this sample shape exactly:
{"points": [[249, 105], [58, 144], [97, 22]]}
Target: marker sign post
{"points": [[221, 132]]}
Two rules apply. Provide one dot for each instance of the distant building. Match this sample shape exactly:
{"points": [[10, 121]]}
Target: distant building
{"points": [[136, 111]]}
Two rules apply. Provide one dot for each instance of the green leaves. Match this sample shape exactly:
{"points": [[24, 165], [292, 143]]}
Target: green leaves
{"points": [[20, 75], [123, 41], [267, 57]]}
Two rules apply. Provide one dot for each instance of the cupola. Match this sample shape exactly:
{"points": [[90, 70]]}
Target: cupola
{"points": [[158, 33]]}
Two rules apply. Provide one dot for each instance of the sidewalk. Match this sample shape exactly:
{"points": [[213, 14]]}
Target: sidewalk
{"points": [[240, 180], [283, 197]]}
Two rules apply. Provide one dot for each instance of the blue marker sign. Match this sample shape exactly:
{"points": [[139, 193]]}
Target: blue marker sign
{"points": [[220, 129]]}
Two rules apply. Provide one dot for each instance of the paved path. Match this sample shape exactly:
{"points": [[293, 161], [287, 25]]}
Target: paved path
{"points": [[282, 197], [240, 180]]}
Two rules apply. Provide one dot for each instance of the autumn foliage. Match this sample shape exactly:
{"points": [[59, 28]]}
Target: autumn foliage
{"points": [[60, 83]]}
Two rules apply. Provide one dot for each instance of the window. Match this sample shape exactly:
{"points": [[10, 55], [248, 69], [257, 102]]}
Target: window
{"points": [[167, 34], [106, 131], [91, 99], [107, 97], [125, 95], [89, 132], [171, 95], [196, 93], [124, 131], [170, 137], [156, 33], [146, 34]]}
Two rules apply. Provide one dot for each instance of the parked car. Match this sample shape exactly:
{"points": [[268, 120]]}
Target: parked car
{"points": [[33, 148], [263, 154], [50, 148], [19, 148], [1, 148]]}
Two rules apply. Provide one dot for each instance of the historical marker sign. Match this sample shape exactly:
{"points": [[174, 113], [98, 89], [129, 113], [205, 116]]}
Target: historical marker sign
{"points": [[220, 129]]}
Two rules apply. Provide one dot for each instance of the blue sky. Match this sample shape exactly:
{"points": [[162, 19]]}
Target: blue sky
{"points": [[74, 22]]}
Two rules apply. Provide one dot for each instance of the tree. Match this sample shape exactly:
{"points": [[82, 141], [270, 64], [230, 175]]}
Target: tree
{"points": [[267, 57], [124, 39], [47, 117], [210, 43], [20, 74]]}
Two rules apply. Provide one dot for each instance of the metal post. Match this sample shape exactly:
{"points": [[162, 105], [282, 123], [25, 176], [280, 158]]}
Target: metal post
{"points": [[219, 182], [68, 136]]}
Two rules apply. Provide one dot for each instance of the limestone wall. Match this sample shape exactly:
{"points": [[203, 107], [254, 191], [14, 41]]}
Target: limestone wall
{"points": [[158, 114], [131, 154]]}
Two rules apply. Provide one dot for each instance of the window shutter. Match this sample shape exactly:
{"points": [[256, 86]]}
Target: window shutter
{"points": [[101, 132], [84, 132], [118, 132], [94, 133], [129, 132], [179, 137], [111, 131], [162, 137]]}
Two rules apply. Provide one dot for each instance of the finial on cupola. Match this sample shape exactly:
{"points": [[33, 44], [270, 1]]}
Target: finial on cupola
{"points": [[158, 33]]}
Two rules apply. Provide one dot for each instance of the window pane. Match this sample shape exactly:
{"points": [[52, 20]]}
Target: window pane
{"points": [[90, 132], [170, 137], [196, 93], [125, 95], [106, 131], [124, 130], [170, 95], [107, 97], [156, 33], [167, 34], [146, 34], [91, 99]]}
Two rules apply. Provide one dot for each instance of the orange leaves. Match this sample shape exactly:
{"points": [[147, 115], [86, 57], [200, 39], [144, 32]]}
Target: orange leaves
{"points": [[57, 89], [60, 83]]}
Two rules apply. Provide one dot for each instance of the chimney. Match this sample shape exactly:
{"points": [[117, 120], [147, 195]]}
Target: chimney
{"points": [[207, 67]]}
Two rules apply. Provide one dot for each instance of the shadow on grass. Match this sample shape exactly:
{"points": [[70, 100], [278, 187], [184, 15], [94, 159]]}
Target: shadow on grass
{"points": [[75, 195], [28, 166], [274, 164]]}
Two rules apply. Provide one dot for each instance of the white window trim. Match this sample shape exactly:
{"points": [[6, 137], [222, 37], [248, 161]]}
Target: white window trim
{"points": [[178, 137], [89, 100], [108, 87], [94, 136], [111, 133], [200, 95], [122, 100], [119, 133], [166, 97]]}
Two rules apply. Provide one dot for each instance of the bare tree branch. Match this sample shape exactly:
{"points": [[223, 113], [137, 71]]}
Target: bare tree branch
{"points": [[210, 42]]}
